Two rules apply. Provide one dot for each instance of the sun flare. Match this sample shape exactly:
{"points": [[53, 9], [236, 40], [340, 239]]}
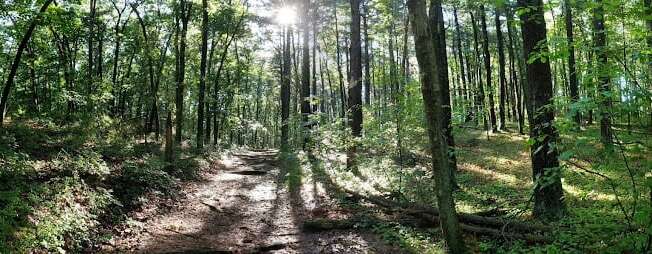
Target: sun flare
{"points": [[286, 15]]}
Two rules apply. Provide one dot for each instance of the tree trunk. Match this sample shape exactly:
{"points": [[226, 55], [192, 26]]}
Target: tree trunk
{"points": [[16, 62], [501, 71], [460, 56], [169, 143], [441, 60], [514, 76], [92, 4], [487, 67], [572, 73], [367, 59], [202, 75], [313, 90], [305, 74], [119, 28], [431, 93], [548, 193], [181, 74], [479, 96], [600, 41], [339, 64], [285, 90], [355, 86]]}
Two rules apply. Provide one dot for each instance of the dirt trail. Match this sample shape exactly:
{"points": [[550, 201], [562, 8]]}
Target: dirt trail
{"points": [[244, 206]]}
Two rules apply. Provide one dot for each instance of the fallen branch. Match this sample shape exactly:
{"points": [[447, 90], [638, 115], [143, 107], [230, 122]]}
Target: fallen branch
{"points": [[319, 225], [414, 208], [492, 232], [612, 184]]}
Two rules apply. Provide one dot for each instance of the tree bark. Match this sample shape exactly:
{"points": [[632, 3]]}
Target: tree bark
{"points": [[202, 76], [441, 61], [479, 96], [431, 92], [367, 58], [548, 194], [92, 4], [501, 71], [306, 108], [604, 88], [460, 56], [572, 73], [184, 15], [339, 63], [119, 28], [514, 76], [487, 68], [355, 86], [285, 90]]}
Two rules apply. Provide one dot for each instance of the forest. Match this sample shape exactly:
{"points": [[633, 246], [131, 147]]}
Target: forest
{"points": [[326, 126]]}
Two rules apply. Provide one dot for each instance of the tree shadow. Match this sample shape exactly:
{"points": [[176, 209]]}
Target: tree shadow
{"points": [[220, 228]]}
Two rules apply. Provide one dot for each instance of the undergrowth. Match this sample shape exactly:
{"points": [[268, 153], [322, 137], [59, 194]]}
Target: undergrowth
{"points": [[62, 188], [495, 178]]}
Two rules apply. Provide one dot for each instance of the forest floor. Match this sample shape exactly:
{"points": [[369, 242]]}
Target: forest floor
{"points": [[246, 204], [76, 188]]}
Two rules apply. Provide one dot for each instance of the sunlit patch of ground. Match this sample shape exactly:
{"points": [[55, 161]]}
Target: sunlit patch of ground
{"points": [[228, 211], [495, 175]]}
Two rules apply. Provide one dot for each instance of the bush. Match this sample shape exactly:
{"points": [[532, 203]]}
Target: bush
{"points": [[88, 165], [138, 178], [59, 214]]}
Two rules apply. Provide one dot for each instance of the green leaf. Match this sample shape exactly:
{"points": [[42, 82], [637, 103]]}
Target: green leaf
{"points": [[567, 155]]}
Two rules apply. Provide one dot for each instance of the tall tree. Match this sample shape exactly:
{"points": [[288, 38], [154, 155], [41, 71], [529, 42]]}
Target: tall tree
{"points": [[501, 70], [16, 62], [548, 193], [285, 90], [487, 68], [92, 6], [339, 63], [572, 72], [600, 45], [515, 89], [305, 72], [479, 95], [460, 56], [441, 61], [367, 57], [355, 85], [202, 75], [430, 90], [183, 12], [152, 119], [119, 29]]}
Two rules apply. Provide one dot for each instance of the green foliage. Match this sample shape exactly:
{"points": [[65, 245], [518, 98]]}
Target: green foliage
{"points": [[410, 239], [88, 164], [140, 177], [54, 213]]}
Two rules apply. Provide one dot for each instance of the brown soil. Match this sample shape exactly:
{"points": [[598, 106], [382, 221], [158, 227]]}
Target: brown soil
{"points": [[244, 206]]}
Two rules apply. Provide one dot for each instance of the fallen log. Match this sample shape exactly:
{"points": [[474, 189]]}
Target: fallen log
{"points": [[319, 225], [492, 232], [414, 208]]}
